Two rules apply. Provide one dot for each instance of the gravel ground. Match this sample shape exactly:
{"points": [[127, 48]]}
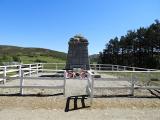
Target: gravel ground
{"points": [[95, 114], [54, 108], [41, 104]]}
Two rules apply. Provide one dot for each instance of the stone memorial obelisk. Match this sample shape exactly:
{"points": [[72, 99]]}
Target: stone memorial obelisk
{"points": [[78, 53]]}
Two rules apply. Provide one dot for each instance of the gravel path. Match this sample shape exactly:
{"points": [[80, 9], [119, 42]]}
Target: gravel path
{"points": [[95, 114], [53, 108]]}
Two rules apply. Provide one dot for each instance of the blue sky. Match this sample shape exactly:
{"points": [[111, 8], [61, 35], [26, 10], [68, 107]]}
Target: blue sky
{"points": [[51, 23]]}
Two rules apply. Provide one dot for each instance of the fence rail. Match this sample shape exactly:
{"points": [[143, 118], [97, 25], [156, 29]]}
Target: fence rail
{"points": [[104, 67], [15, 70], [29, 69], [25, 72], [22, 78], [131, 76]]}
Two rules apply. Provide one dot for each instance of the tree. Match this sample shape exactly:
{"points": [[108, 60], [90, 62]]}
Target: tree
{"points": [[7, 58], [139, 48], [16, 59]]}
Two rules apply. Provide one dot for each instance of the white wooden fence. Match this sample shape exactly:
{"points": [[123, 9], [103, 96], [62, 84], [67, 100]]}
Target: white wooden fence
{"points": [[15, 70], [110, 67], [24, 72], [22, 78], [101, 67], [29, 69], [90, 86], [131, 77]]}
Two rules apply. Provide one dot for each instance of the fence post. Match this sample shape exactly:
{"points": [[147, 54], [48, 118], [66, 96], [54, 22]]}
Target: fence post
{"points": [[42, 66], [92, 87], [132, 84], [37, 65], [124, 68], [64, 84], [99, 67], [149, 77], [4, 74], [133, 68], [117, 67], [21, 83], [20, 69], [112, 67], [30, 70]]}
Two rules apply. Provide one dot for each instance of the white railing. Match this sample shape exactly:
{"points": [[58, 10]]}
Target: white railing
{"points": [[15, 70], [131, 76], [29, 69], [110, 67], [26, 72], [22, 78], [90, 85]]}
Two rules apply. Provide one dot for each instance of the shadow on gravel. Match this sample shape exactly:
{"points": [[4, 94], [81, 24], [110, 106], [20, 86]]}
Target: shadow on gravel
{"points": [[76, 100], [55, 75], [153, 94], [110, 96], [31, 95], [124, 96]]}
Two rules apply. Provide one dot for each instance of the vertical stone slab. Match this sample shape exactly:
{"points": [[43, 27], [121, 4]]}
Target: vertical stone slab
{"points": [[78, 53]]}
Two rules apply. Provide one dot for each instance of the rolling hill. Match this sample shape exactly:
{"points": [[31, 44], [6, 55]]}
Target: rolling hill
{"points": [[30, 55]]}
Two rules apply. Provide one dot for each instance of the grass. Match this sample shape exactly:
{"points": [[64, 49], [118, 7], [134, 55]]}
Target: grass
{"points": [[30, 55], [44, 59], [53, 66]]}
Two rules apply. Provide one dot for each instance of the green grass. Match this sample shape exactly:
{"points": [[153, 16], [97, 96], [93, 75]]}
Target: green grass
{"points": [[43, 59], [30, 55], [53, 66]]}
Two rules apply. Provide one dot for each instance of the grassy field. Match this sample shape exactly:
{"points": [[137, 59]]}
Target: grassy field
{"points": [[43, 59], [9, 54], [54, 66]]}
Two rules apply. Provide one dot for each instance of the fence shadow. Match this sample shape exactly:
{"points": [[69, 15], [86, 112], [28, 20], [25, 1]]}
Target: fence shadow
{"points": [[153, 94], [75, 100], [31, 95], [125, 96], [156, 93], [111, 96]]}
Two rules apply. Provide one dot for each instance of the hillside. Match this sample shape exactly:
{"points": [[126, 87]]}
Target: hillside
{"points": [[29, 55]]}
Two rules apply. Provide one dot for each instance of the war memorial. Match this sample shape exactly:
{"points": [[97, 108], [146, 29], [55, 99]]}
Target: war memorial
{"points": [[77, 56]]}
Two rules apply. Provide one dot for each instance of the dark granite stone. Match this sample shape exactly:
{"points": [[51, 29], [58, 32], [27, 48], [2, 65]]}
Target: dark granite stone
{"points": [[78, 53]]}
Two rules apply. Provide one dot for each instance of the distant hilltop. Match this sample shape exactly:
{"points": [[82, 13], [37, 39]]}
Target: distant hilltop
{"points": [[29, 54]]}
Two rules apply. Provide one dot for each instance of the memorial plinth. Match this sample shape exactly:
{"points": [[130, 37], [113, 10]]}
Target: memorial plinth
{"points": [[78, 53]]}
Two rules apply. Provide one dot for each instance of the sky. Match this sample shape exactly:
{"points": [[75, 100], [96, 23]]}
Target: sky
{"points": [[51, 23]]}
